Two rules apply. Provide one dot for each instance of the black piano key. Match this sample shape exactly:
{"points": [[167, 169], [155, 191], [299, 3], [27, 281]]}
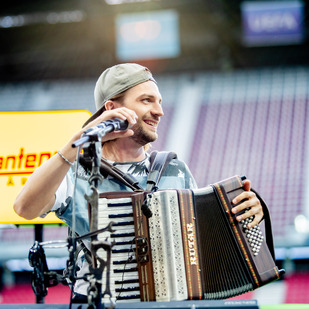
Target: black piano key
{"points": [[121, 243], [132, 234], [113, 216], [124, 250], [119, 204], [127, 297], [123, 223], [126, 270], [122, 262], [127, 289], [127, 281]]}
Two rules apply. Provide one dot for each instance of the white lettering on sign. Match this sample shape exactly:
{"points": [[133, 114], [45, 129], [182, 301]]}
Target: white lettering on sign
{"points": [[271, 22]]}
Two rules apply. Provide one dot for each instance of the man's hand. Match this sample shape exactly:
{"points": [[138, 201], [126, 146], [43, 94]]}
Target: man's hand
{"points": [[248, 199], [122, 113]]}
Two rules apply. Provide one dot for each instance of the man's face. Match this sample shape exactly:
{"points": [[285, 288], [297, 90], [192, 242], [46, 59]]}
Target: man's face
{"points": [[145, 99]]}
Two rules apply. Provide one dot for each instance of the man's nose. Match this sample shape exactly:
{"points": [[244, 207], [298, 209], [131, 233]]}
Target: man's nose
{"points": [[157, 110]]}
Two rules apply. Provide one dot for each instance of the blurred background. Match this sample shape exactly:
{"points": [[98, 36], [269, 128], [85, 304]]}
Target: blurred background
{"points": [[234, 76]]}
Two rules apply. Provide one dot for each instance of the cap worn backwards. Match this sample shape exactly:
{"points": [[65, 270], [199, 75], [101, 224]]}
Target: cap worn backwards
{"points": [[116, 80]]}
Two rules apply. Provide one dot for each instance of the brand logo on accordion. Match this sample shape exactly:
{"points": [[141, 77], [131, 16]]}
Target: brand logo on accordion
{"points": [[192, 244]]}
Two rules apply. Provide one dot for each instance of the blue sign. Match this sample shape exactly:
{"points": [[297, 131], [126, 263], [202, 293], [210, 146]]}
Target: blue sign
{"points": [[272, 23], [147, 35]]}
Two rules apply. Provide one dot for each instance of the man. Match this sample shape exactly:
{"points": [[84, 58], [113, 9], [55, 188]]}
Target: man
{"points": [[129, 92]]}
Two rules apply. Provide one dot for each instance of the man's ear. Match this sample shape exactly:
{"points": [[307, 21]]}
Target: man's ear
{"points": [[109, 105]]}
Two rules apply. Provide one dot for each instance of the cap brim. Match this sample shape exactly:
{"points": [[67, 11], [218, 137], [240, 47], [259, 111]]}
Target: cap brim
{"points": [[94, 116]]}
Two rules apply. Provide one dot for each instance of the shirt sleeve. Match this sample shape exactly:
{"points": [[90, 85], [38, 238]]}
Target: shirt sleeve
{"points": [[190, 181], [179, 168]]}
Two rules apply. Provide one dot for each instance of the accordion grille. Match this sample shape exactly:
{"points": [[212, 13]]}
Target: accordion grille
{"points": [[225, 273], [167, 247]]}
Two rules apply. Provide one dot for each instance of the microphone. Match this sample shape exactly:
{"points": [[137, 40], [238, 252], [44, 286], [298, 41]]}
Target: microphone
{"points": [[100, 130], [108, 126]]}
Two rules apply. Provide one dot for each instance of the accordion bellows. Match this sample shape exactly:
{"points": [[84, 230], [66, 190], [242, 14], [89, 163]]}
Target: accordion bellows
{"points": [[191, 248]]}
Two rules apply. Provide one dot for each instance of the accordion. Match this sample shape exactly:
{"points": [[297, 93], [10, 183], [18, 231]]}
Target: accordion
{"points": [[191, 247]]}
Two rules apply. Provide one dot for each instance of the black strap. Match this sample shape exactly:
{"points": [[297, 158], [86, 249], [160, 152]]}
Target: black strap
{"points": [[158, 163], [127, 179], [159, 160], [108, 169]]}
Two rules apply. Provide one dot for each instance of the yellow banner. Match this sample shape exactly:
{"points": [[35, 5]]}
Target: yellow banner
{"points": [[27, 140]]}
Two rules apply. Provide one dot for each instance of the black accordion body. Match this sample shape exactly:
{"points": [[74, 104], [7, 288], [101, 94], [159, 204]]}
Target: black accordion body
{"points": [[191, 248]]}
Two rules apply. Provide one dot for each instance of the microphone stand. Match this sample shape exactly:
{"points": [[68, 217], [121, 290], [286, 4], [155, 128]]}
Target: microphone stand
{"points": [[92, 153], [42, 278], [92, 146]]}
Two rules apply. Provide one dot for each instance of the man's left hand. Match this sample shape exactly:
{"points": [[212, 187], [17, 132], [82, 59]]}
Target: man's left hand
{"points": [[248, 199]]}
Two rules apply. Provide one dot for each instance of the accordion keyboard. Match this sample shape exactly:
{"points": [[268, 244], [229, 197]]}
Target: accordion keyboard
{"points": [[124, 281]]}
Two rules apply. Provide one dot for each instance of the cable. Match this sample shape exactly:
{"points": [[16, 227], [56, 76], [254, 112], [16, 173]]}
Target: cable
{"points": [[74, 225]]}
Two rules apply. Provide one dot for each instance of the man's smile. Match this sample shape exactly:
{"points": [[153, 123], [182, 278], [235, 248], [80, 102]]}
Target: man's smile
{"points": [[151, 123]]}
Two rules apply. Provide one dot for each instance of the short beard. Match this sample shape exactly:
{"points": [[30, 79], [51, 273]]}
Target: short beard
{"points": [[141, 137]]}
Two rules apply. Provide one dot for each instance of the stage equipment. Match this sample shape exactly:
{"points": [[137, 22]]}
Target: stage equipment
{"points": [[42, 277]]}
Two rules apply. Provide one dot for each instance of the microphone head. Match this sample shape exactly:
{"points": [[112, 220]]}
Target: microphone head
{"points": [[122, 125]]}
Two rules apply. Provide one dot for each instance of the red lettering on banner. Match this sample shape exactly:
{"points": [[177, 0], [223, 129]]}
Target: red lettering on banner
{"points": [[8, 159], [21, 155], [23, 162], [30, 160], [42, 155]]}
